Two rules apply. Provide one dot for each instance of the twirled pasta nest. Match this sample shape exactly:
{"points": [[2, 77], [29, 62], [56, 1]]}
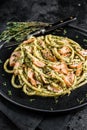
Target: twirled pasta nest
{"points": [[48, 66]]}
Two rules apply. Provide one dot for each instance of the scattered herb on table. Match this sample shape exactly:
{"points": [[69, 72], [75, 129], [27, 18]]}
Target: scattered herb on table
{"points": [[18, 31]]}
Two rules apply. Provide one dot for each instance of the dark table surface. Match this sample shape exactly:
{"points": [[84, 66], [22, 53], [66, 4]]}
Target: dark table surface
{"points": [[46, 11]]}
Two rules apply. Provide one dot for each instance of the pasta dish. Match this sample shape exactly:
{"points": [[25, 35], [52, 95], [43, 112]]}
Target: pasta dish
{"points": [[48, 66]]}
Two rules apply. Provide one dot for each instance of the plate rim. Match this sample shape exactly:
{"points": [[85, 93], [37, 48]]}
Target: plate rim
{"points": [[43, 110]]}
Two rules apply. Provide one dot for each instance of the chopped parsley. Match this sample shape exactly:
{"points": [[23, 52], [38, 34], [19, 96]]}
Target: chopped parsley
{"points": [[4, 83], [31, 100], [86, 95], [84, 40], [64, 32], [9, 48], [9, 93], [3, 74], [56, 100], [0, 61], [51, 109], [80, 101], [77, 36]]}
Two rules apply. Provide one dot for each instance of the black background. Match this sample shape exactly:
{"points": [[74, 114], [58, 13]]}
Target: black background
{"points": [[46, 11]]}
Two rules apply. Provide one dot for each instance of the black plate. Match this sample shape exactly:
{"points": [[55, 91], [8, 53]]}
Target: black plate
{"points": [[65, 103]]}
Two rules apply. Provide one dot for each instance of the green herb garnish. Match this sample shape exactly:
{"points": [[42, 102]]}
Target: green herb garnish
{"points": [[3, 74], [4, 83], [64, 32], [9, 48], [31, 100], [80, 101], [77, 36], [86, 95], [0, 61], [51, 109], [84, 40], [9, 93], [18, 31], [56, 100]]}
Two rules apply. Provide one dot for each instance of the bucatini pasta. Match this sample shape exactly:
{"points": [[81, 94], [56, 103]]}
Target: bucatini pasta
{"points": [[48, 66]]}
